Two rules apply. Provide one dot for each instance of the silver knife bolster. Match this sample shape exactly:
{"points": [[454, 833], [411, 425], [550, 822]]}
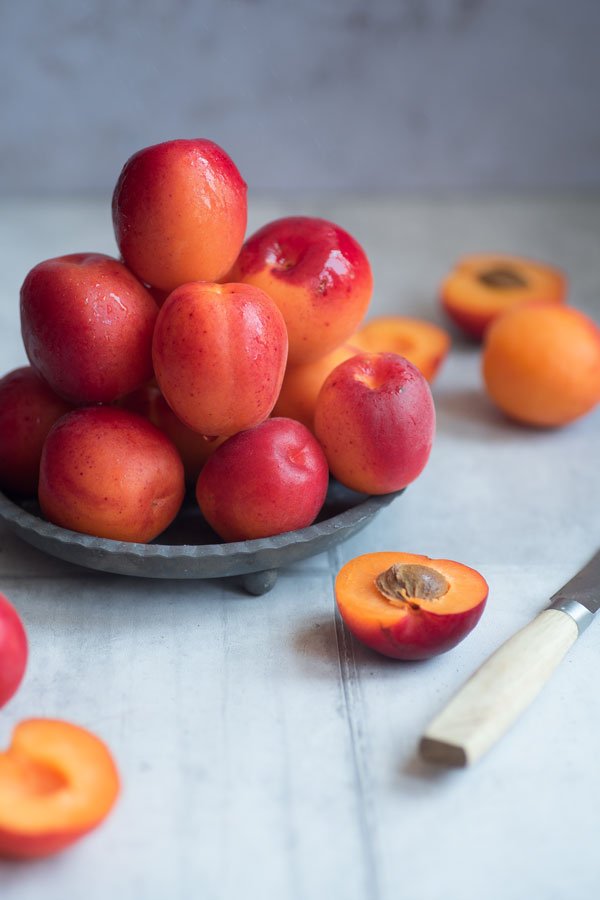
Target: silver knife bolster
{"points": [[580, 614]]}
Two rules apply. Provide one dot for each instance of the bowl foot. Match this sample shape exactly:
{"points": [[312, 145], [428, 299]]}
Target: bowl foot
{"points": [[258, 583]]}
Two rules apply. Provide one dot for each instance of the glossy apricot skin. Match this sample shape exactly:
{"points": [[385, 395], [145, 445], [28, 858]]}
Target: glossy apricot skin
{"points": [[13, 650], [424, 344], [28, 410], [193, 448], [87, 326], [301, 385], [219, 353], [110, 473], [541, 364], [473, 302], [317, 274], [375, 419], [179, 213], [267, 480], [401, 630], [57, 783]]}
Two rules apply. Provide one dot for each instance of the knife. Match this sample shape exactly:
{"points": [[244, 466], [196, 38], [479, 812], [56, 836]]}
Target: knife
{"points": [[507, 682]]}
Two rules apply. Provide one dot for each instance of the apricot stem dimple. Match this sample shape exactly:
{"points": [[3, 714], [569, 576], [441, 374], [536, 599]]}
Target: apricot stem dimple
{"points": [[502, 277], [407, 582]]}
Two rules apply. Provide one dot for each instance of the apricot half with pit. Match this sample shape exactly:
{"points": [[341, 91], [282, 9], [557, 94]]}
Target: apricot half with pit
{"points": [[482, 286], [409, 606], [57, 782]]}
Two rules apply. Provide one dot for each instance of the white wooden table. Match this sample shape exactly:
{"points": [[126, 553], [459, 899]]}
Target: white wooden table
{"points": [[264, 753]]}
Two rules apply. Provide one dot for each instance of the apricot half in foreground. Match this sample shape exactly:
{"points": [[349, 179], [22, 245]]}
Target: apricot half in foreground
{"points": [[409, 606]]}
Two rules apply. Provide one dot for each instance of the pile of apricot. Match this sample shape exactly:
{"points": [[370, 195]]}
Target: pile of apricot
{"points": [[238, 367]]}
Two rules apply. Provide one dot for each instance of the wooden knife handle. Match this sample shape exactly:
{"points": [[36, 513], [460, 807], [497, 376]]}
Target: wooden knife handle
{"points": [[491, 700]]}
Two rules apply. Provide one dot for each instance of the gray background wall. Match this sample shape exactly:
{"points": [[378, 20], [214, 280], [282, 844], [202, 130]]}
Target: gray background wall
{"points": [[384, 95]]}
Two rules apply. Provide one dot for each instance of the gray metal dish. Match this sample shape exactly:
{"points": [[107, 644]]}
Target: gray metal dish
{"points": [[187, 549]]}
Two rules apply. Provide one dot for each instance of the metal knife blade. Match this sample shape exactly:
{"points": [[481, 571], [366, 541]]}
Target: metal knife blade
{"points": [[580, 597]]}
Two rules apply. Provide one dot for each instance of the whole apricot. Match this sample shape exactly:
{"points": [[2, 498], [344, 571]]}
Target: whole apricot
{"points": [[317, 274], [179, 213], [28, 410], [541, 364], [110, 473], [13, 650], [219, 355], [87, 326], [375, 420], [264, 481]]}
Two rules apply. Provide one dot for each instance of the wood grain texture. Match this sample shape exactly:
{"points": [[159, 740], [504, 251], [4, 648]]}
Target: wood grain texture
{"points": [[499, 691]]}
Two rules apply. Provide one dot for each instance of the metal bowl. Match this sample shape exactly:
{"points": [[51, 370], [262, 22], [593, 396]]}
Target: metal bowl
{"points": [[190, 549]]}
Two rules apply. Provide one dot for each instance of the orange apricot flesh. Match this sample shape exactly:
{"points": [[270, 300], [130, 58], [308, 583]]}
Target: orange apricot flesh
{"points": [[57, 782], [406, 625], [482, 286], [422, 343]]}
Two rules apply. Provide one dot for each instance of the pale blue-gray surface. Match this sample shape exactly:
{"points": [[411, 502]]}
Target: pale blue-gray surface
{"points": [[264, 753]]}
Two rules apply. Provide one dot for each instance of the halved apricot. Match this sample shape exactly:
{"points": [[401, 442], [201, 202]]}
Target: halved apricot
{"points": [[57, 782], [483, 286], [409, 606], [422, 343]]}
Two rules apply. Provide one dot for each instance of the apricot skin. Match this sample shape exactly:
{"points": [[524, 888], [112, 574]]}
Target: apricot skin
{"points": [[400, 631], [317, 274], [264, 481], [219, 356], [28, 410], [13, 650], [179, 213], [110, 473], [375, 420], [87, 326], [541, 364]]}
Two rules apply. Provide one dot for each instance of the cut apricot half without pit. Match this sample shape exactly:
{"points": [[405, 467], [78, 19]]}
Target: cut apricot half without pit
{"points": [[483, 286], [424, 344], [57, 782], [409, 606]]}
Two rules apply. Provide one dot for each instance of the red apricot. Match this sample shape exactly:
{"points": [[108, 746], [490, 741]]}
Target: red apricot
{"points": [[179, 213], [317, 274], [13, 650], [87, 326], [219, 355], [110, 473], [375, 420], [264, 481], [28, 410]]}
